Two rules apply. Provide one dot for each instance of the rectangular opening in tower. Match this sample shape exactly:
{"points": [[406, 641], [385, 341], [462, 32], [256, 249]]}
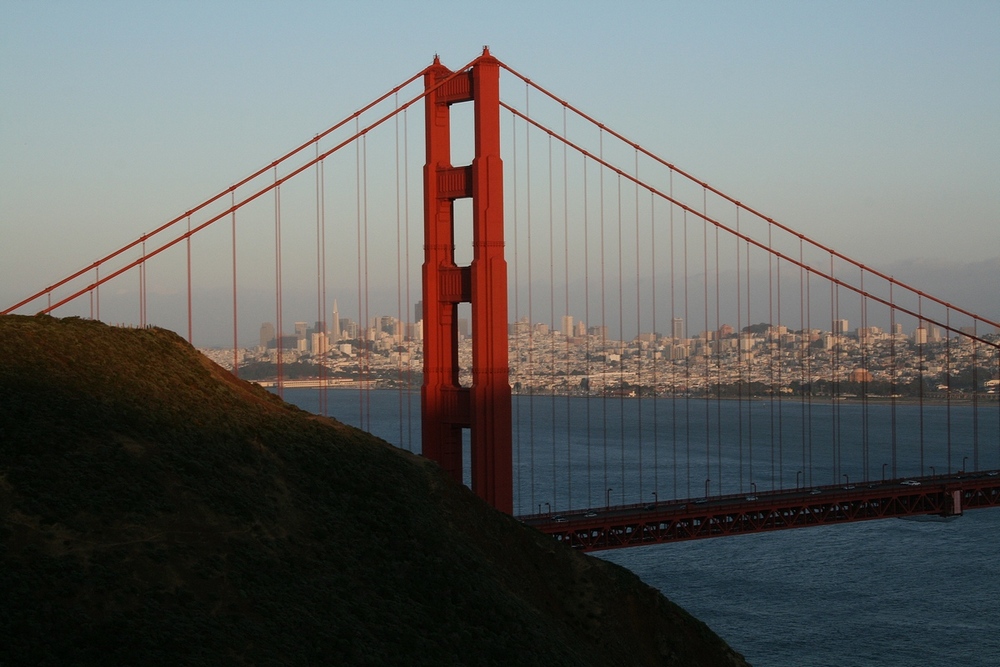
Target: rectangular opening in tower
{"points": [[463, 138], [462, 217], [465, 344]]}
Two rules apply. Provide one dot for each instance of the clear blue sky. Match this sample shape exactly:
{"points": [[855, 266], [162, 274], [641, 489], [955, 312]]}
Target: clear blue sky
{"points": [[873, 127]]}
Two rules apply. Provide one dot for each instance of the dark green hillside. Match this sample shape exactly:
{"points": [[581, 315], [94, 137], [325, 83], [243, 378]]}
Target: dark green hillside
{"points": [[155, 510]]}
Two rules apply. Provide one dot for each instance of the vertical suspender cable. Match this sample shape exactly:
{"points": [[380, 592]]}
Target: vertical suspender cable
{"points": [[409, 305], [604, 327], [892, 381], [586, 320], [803, 352], [187, 243], [838, 378], [675, 342], [531, 314], [277, 286], [323, 339], [621, 351], [317, 350], [236, 359], [780, 357], [368, 350], [322, 297], [718, 364], [772, 330], [749, 383], [739, 352], [947, 375], [864, 340], [834, 354], [706, 349], [517, 314], [568, 334], [687, 363], [362, 334], [142, 285], [399, 331], [809, 373], [656, 344], [921, 336], [975, 400], [638, 329], [511, 176], [552, 327]]}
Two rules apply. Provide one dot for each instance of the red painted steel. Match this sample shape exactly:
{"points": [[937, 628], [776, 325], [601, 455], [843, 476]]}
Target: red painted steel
{"points": [[440, 395], [485, 407], [631, 526]]}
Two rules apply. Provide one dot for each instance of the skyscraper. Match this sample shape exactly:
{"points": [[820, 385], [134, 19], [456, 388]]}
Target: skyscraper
{"points": [[567, 325], [678, 328], [335, 330], [266, 334]]}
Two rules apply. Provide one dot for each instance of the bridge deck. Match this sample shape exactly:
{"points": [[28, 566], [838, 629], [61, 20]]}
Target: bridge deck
{"points": [[635, 525]]}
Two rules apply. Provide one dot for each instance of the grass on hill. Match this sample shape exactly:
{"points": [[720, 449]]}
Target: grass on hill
{"points": [[154, 509]]}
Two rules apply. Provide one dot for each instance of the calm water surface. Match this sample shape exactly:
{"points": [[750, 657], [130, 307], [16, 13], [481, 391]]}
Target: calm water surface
{"points": [[888, 592]]}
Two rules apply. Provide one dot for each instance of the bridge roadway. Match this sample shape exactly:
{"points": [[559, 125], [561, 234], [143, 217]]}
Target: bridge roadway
{"points": [[715, 516]]}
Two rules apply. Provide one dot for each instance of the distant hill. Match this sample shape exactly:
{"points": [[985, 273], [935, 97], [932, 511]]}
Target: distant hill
{"points": [[156, 510]]}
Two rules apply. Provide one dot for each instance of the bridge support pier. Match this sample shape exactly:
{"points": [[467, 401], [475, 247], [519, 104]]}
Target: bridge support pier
{"points": [[485, 407], [953, 503]]}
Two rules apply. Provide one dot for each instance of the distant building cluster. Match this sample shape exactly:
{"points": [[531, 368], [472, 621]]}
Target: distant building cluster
{"points": [[578, 359]]}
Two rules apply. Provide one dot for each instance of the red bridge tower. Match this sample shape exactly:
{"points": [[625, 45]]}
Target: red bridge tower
{"points": [[446, 406]]}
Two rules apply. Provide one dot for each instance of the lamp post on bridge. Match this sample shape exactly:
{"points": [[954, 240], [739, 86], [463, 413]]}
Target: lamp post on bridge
{"points": [[883, 472], [847, 481], [798, 473], [607, 499], [548, 508], [964, 459], [706, 486], [933, 473]]}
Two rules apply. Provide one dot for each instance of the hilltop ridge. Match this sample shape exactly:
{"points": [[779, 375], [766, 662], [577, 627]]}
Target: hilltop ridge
{"points": [[155, 509]]}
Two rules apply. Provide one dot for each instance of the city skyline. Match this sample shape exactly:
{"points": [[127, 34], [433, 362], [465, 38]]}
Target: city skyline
{"points": [[348, 329], [759, 359]]}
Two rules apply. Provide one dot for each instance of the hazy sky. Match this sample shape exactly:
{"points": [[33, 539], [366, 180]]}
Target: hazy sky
{"points": [[872, 127]]}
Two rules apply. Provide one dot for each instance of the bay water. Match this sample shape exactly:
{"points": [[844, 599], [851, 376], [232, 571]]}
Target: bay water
{"points": [[889, 592]]}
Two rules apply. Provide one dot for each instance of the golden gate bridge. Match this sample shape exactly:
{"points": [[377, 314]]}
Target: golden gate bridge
{"points": [[650, 358]]}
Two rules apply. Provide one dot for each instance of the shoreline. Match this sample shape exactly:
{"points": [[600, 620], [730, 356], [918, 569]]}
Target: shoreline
{"points": [[347, 384]]}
